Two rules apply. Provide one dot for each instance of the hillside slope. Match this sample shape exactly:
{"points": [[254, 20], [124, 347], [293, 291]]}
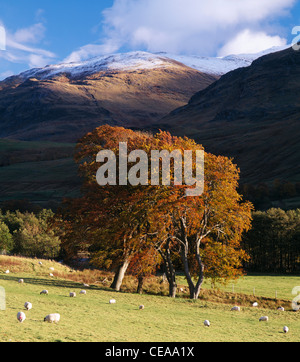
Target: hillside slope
{"points": [[63, 102], [251, 114]]}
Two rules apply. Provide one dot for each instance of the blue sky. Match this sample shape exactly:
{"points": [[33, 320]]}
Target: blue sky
{"points": [[46, 32]]}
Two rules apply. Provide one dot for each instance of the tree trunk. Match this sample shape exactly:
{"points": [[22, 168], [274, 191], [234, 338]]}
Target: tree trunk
{"points": [[140, 285], [169, 269], [119, 276], [194, 289], [184, 258], [201, 271], [184, 251], [172, 288]]}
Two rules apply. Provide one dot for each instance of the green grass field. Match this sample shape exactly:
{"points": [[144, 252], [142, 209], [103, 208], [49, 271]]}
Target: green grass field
{"points": [[90, 317], [270, 286]]}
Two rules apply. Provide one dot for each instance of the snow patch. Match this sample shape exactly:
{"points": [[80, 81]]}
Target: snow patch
{"points": [[220, 65], [143, 60]]}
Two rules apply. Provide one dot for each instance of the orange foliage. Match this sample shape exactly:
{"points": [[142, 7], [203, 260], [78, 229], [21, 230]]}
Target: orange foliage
{"points": [[131, 223]]}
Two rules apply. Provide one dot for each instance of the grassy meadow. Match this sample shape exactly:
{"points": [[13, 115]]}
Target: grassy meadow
{"points": [[90, 317]]}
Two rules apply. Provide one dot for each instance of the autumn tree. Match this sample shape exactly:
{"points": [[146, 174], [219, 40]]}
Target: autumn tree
{"points": [[124, 223], [143, 264], [112, 218], [206, 229]]}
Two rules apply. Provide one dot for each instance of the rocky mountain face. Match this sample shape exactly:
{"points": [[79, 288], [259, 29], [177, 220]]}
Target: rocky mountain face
{"points": [[63, 102], [251, 114]]}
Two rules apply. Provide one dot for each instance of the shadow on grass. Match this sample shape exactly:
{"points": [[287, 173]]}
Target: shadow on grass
{"points": [[54, 283]]}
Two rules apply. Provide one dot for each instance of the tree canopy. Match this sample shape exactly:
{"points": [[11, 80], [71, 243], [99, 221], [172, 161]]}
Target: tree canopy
{"points": [[125, 225]]}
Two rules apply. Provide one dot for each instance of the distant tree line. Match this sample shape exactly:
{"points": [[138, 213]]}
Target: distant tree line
{"points": [[273, 243], [28, 234]]}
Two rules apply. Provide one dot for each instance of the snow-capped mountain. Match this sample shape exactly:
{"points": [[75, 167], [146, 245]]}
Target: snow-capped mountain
{"points": [[138, 60], [136, 89], [123, 61], [221, 65], [65, 101]]}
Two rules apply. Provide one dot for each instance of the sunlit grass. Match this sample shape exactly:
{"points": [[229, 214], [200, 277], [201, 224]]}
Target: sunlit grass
{"points": [[90, 317]]}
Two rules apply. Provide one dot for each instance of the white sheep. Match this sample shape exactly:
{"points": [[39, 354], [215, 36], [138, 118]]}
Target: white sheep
{"points": [[285, 329], [7, 272], [264, 319], [40, 263], [255, 304], [112, 301], [72, 294], [21, 317], [141, 307], [21, 281], [280, 309], [51, 268], [236, 308], [44, 292], [28, 305], [207, 323], [51, 275], [82, 292], [54, 317], [86, 285]]}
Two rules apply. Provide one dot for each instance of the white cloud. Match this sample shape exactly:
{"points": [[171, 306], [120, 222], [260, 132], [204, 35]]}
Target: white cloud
{"points": [[248, 42], [91, 50], [197, 27], [32, 34], [19, 47]]}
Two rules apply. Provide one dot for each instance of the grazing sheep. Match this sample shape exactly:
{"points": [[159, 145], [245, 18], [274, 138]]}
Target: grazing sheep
{"points": [[280, 309], [44, 292], [50, 318], [285, 329], [21, 317], [51, 275], [207, 323], [28, 305], [7, 272], [86, 285], [141, 307], [72, 294], [21, 281], [82, 292], [236, 308], [112, 301], [264, 319], [51, 268], [40, 263], [255, 304]]}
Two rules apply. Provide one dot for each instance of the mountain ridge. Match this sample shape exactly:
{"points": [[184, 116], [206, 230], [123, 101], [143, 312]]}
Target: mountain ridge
{"points": [[141, 60], [250, 114], [63, 102]]}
